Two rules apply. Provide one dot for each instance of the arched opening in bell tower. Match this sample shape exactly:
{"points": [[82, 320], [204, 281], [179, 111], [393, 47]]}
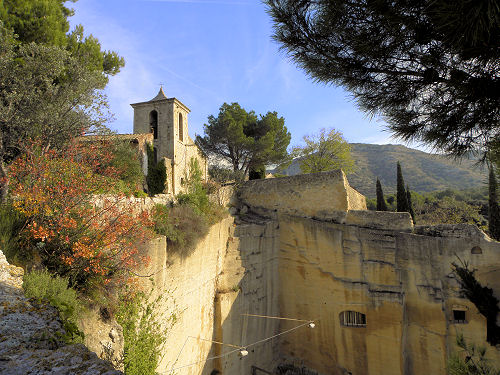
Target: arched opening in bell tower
{"points": [[181, 128], [153, 123]]}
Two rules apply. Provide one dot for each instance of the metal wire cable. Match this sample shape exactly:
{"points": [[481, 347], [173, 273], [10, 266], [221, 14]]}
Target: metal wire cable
{"points": [[237, 350]]}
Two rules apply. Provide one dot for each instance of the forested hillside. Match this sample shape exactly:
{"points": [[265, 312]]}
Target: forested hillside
{"points": [[422, 171]]}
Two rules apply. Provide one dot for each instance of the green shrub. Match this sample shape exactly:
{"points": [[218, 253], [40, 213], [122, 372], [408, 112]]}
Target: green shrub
{"points": [[127, 162], [182, 226], [472, 360], [144, 332], [157, 173], [44, 288], [11, 223]]}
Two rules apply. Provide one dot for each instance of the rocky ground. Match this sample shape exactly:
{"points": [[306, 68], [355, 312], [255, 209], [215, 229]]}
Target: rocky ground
{"points": [[30, 335]]}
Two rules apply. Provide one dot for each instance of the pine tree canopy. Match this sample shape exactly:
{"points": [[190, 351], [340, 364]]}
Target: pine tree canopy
{"points": [[429, 67], [244, 139]]}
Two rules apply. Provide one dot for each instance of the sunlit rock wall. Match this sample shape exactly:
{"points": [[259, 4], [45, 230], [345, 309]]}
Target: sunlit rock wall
{"points": [[401, 281], [303, 195]]}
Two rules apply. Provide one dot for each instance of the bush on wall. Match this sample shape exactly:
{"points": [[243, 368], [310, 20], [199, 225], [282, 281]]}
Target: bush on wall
{"points": [[157, 173]]}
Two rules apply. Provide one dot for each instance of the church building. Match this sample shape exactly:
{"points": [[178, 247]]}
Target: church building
{"points": [[167, 120]]}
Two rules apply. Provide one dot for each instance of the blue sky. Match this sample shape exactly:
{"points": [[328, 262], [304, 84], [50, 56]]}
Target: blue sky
{"points": [[207, 52]]}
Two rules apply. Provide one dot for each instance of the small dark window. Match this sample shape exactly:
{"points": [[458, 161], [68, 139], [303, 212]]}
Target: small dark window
{"points": [[352, 319], [153, 123], [181, 128], [476, 250], [459, 316]]}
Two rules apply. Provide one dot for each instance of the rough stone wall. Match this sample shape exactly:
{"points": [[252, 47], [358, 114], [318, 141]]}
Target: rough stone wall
{"points": [[249, 284], [30, 335], [303, 195], [189, 285], [400, 280], [184, 151]]}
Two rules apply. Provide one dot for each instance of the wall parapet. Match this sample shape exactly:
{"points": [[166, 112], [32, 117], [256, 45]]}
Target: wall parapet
{"points": [[303, 195]]}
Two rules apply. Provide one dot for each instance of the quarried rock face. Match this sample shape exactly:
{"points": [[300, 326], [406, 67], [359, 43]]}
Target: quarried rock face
{"points": [[30, 335]]}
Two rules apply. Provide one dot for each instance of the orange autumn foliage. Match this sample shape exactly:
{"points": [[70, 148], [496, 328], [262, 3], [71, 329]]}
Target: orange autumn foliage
{"points": [[58, 193]]}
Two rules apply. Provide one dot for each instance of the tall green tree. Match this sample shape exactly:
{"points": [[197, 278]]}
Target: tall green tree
{"points": [[45, 95], [46, 22], [381, 205], [430, 67], [401, 197], [325, 151], [493, 209], [410, 205], [244, 139]]}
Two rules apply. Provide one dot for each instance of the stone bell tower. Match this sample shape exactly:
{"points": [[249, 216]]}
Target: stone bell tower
{"points": [[167, 119]]}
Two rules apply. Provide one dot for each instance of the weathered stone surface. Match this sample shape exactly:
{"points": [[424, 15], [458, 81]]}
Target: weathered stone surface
{"points": [[400, 221], [103, 336], [303, 195], [30, 335]]}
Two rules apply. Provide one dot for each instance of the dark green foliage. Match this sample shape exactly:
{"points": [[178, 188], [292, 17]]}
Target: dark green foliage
{"points": [[429, 67], [182, 225], [223, 175], [43, 287], [482, 297], [472, 360], [401, 197], [46, 22], [11, 223], [157, 173], [124, 159], [381, 205], [257, 173], [493, 209], [144, 332], [410, 205], [244, 139], [444, 207]]}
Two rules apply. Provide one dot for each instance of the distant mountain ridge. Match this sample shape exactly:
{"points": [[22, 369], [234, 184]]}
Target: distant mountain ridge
{"points": [[422, 171]]}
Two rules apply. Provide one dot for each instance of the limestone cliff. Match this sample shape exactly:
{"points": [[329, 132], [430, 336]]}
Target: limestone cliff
{"points": [[380, 291]]}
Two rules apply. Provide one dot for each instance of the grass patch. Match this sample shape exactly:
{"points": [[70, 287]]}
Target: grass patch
{"points": [[44, 288]]}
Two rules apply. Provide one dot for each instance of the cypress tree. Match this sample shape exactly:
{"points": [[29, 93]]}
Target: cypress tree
{"points": [[381, 205], [493, 211], [401, 197], [410, 205]]}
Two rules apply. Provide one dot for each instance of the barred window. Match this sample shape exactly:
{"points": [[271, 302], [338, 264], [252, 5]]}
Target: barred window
{"points": [[459, 317], [352, 319]]}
